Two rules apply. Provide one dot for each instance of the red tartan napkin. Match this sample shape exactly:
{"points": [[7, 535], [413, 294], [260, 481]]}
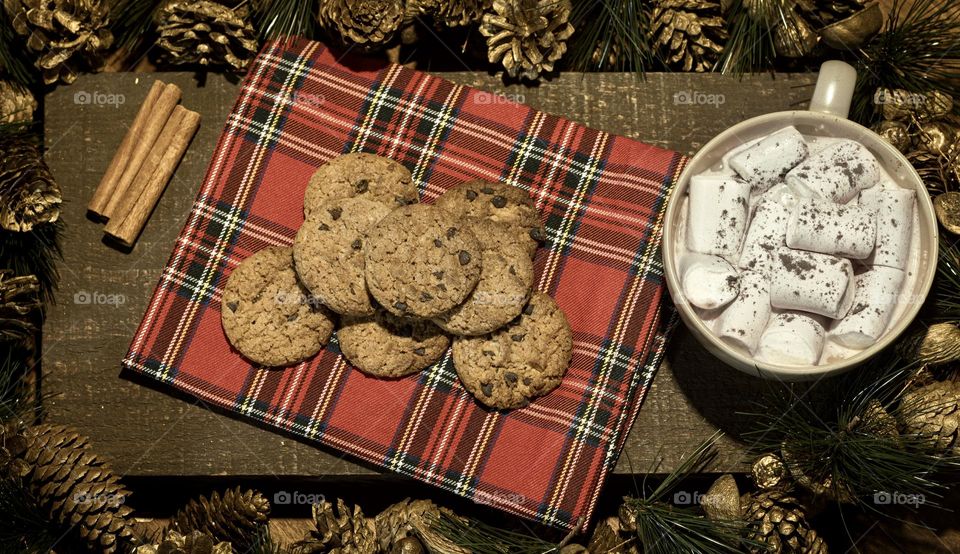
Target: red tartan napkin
{"points": [[601, 198]]}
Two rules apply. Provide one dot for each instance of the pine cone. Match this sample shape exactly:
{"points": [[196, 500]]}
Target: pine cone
{"points": [[608, 537], [688, 34], [933, 414], [527, 36], [414, 518], [18, 297], [194, 542], [17, 104], [821, 14], [777, 519], [339, 532], [66, 35], [77, 489], [370, 23], [205, 33], [28, 193], [237, 517], [452, 13]]}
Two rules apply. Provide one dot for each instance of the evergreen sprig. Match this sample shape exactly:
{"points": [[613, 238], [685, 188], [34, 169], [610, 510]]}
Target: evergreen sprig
{"points": [[918, 50], [285, 18], [481, 538], [132, 22], [35, 252], [13, 54], [835, 433], [750, 47], [946, 287], [666, 529], [26, 528], [610, 27]]}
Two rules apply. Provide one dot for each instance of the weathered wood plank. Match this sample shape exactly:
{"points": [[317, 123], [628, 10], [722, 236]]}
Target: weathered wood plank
{"points": [[146, 432]]}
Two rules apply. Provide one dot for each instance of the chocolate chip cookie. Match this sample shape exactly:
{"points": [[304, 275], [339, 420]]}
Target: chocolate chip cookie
{"points": [[328, 252], [506, 279], [384, 345], [517, 363], [420, 262], [363, 175], [497, 202], [268, 316]]}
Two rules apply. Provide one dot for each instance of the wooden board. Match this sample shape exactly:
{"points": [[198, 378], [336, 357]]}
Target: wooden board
{"points": [[104, 291]]}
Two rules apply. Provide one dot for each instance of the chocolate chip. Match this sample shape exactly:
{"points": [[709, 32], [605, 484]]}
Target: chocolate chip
{"points": [[438, 274], [442, 287], [324, 227], [361, 186], [437, 242], [401, 306], [420, 351], [511, 377], [486, 190], [293, 317], [402, 201], [528, 310], [516, 338], [498, 201], [513, 270], [464, 257], [233, 305], [335, 213], [487, 389], [537, 234], [471, 195], [451, 232], [487, 352], [426, 297], [357, 244], [527, 381]]}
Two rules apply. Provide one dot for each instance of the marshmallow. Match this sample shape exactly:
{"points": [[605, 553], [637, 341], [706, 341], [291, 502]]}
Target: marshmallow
{"points": [[812, 282], [873, 304], [835, 173], [767, 161], [792, 338], [848, 231], [767, 233], [708, 281], [742, 323], [894, 208], [717, 215]]}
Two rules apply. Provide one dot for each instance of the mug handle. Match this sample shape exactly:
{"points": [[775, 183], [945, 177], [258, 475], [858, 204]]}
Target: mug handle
{"points": [[834, 90]]}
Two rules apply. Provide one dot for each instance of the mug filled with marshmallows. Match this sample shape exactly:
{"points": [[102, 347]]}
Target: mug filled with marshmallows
{"points": [[798, 244]]}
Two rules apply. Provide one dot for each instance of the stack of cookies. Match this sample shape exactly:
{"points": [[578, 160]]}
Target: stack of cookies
{"points": [[406, 279]]}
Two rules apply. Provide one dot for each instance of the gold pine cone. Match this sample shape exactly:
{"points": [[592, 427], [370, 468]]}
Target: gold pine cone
{"points": [[527, 37], [688, 34], [369, 23]]}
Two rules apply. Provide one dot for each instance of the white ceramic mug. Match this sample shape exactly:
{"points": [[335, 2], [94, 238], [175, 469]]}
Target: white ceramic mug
{"points": [[827, 117]]}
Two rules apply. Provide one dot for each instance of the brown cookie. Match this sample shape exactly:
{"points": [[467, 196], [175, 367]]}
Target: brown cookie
{"points": [[497, 202], [268, 315], [384, 345], [522, 361], [328, 252], [420, 262], [362, 175], [505, 283]]}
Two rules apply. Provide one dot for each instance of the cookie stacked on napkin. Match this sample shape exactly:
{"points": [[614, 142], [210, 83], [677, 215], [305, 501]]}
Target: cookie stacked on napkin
{"points": [[406, 279]]}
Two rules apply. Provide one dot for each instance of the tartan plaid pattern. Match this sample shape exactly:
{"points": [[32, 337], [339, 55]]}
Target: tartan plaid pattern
{"points": [[601, 198]]}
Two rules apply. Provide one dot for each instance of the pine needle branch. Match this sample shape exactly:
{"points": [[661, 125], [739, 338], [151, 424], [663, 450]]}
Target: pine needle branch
{"points": [[12, 54], [610, 29], [946, 287], [481, 538], [36, 252], [750, 47], [285, 19], [132, 22]]}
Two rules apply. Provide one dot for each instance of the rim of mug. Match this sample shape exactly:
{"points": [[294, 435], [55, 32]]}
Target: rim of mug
{"points": [[766, 369]]}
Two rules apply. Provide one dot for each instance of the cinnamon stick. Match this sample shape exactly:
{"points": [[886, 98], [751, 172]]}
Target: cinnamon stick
{"points": [[122, 156], [177, 135], [153, 125]]}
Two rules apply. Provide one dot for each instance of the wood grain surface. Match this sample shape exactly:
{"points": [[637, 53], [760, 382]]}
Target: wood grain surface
{"points": [[104, 291]]}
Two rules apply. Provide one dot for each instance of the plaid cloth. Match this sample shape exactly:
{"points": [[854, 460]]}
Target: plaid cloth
{"points": [[601, 198]]}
